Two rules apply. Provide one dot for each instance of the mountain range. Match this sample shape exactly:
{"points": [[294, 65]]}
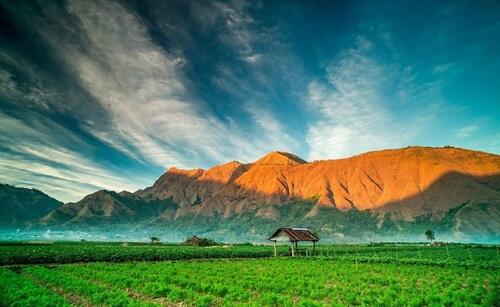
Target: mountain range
{"points": [[382, 195]]}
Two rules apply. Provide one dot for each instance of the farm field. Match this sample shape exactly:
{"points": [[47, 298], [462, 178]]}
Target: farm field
{"points": [[60, 252], [389, 274]]}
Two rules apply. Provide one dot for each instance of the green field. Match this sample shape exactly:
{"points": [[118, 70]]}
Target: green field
{"points": [[147, 275]]}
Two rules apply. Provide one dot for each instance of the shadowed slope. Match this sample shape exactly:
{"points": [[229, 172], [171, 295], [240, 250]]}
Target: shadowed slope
{"points": [[19, 206], [397, 181], [454, 186]]}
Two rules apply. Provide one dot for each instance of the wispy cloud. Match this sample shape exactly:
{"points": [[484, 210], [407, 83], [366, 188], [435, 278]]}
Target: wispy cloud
{"points": [[240, 27], [39, 155], [143, 88], [467, 131], [356, 106], [445, 68], [263, 63], [113, 88], [350, 106], [136, 99], [273, 130]]}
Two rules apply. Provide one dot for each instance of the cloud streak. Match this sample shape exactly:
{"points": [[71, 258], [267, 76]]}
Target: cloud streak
{"points": [[39, 155], [107, 94], [137, 99], [350, 106], [354, 105]]}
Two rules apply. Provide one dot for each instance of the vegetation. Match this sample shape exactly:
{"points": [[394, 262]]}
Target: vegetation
{"points": [[429, 234], [16, 290], [316, 282], [21, 205], [155, 240], [331, 224], [196, 241], [370, 274], [91, 252], [485, 256]]}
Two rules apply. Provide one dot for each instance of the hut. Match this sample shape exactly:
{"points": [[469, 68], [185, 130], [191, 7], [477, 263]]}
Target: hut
{"points": [[294, 235]]}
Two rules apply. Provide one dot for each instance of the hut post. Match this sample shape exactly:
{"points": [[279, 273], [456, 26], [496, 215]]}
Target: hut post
{"points": [[293, 253], [274, 244], [314, 248]]}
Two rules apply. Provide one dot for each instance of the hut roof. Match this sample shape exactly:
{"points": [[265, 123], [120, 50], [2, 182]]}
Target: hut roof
{"points": [[294, 234]]}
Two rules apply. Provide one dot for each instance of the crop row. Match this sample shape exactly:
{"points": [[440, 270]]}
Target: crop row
{"points": [[32, 254], [284, 282], [457, 255], [16, 290], [85, 291]]}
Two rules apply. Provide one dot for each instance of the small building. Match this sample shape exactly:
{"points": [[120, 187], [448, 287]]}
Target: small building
{"points": [[194, 240], [294, 235], [437, 243]]}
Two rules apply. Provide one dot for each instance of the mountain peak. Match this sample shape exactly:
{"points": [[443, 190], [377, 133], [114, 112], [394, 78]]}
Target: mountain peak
{"points": [[280, 158]]}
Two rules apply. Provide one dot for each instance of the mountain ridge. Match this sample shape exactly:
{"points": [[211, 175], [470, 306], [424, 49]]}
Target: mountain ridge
{"points": [[20, 206], [387, 191], [348, 183]]}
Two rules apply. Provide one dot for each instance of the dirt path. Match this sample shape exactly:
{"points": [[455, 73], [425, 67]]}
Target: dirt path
{"points": [[72, 298], [133, 294]]}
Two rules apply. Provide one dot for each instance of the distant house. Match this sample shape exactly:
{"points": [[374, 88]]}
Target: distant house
{"points": [[194, 240], [437, 243], [294, 235]]}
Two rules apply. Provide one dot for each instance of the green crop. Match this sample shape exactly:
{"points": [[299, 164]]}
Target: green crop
{"points": [[456, 254], [395, 275], [69, 253], [16, 290], [273, 282]]}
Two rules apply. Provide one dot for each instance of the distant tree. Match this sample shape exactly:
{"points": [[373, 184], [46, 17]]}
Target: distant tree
{"points": [[207, 242], [196, 241], [430, 235], [155, 240]]}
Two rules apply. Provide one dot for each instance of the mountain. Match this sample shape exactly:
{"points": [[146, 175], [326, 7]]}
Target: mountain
{"points": [[20, 206], [380, 195], [107, 207], [405, 183]]}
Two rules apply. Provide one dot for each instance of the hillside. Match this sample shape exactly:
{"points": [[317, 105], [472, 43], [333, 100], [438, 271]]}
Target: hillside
{"points": [[20, 206], [107, 207], [381, 193], [407, 183]]}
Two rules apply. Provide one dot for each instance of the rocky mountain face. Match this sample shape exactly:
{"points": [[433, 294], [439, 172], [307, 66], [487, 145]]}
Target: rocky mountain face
{"points": [[407, 183], [20, 206], [375, 194]]}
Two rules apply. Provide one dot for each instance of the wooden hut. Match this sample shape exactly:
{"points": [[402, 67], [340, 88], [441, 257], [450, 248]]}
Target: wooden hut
{"points": [[294, 235]]}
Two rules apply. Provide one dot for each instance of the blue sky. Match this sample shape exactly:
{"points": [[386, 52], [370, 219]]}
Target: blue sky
{"points": [[109, 94]]}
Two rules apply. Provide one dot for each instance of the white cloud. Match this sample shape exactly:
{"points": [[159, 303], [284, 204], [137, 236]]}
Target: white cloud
{"points": [[357, 109], [142, 87], [273, 131], [39, 156], [445, 68], [144, 108], [238, 24], [352, 113], [267, 62], [467, 131]]}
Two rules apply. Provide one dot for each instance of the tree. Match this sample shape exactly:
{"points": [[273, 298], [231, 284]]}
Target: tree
{"points": [[196, 241], [155, 240], [430, 235]]}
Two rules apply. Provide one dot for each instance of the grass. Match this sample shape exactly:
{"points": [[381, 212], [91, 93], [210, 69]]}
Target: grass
{"points": [[389, 274]]}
